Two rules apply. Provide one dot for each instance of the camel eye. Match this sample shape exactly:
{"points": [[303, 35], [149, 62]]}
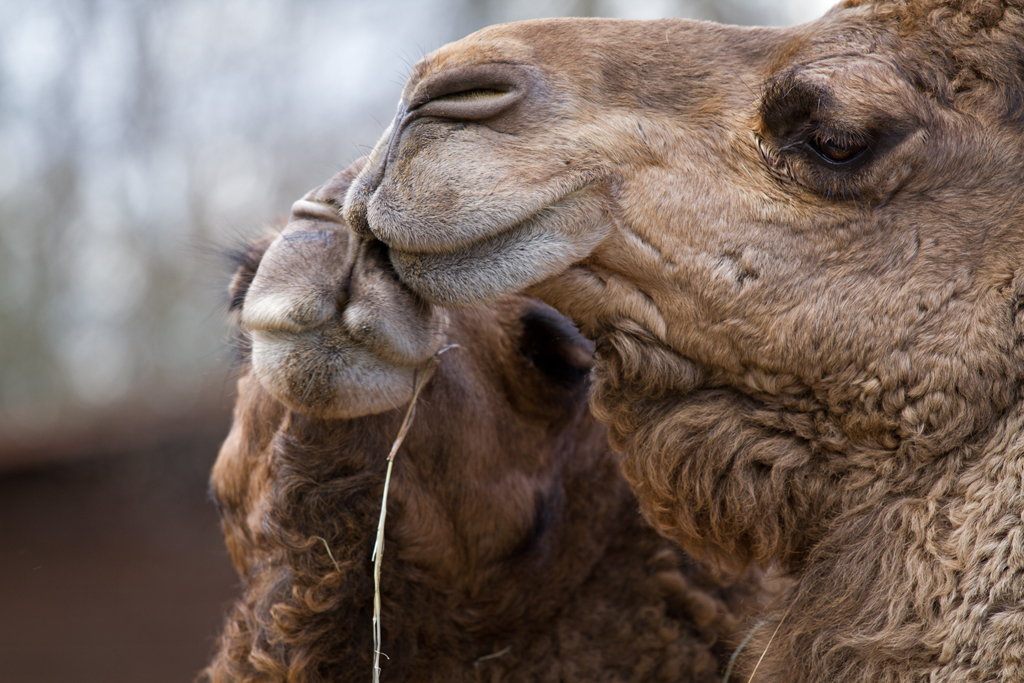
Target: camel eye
{"points": [[835, 149]]}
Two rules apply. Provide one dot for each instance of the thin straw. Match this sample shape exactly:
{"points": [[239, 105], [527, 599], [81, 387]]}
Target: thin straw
{"points": [[378, 546]]}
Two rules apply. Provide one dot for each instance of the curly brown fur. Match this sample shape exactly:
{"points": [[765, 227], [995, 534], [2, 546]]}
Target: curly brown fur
{"points": [[515, 551], [616, 605], [800, 252]]}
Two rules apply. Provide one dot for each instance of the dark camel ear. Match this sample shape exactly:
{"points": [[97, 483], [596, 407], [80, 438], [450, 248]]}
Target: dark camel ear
{"points": [[246, 260], [555, 347]]}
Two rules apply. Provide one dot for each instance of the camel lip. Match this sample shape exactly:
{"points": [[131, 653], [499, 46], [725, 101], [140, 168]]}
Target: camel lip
{"points": [[458, 251], [563, 200], [462, 246]]}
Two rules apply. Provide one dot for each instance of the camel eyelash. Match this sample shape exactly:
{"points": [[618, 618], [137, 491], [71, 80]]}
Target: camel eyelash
{"points": [[802, 159], [833, 148]]}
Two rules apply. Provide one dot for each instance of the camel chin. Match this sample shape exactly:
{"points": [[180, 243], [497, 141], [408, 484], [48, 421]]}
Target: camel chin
{"points": [[322, 373]]}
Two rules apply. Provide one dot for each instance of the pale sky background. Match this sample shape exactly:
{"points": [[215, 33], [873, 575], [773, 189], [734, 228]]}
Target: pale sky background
{"points": [[139, 137]]}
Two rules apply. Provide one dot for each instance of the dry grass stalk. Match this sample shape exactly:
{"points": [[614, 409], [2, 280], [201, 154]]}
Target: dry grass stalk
{"points": [[738, 650], [329, 553], [378, 546], [774, 633]]}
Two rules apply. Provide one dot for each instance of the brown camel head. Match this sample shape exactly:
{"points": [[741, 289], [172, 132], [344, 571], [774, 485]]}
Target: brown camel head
{"points": [[333, 345], [513, 545], [813, 236], [800, 252]]}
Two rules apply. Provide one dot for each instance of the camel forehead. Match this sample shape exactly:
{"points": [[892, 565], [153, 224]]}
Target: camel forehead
{"points": [[577, 49], [558, 44]]}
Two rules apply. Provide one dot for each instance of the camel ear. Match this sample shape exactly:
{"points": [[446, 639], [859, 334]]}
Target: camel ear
{"points": [[246, 261], [555, 347]]}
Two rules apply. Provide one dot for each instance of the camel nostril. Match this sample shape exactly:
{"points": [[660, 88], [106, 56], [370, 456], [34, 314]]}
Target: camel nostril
{"points": [[474, 104], [471, 93]]}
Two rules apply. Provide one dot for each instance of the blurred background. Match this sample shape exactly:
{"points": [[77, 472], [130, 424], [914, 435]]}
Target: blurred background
{"points": [[141, 141]]}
